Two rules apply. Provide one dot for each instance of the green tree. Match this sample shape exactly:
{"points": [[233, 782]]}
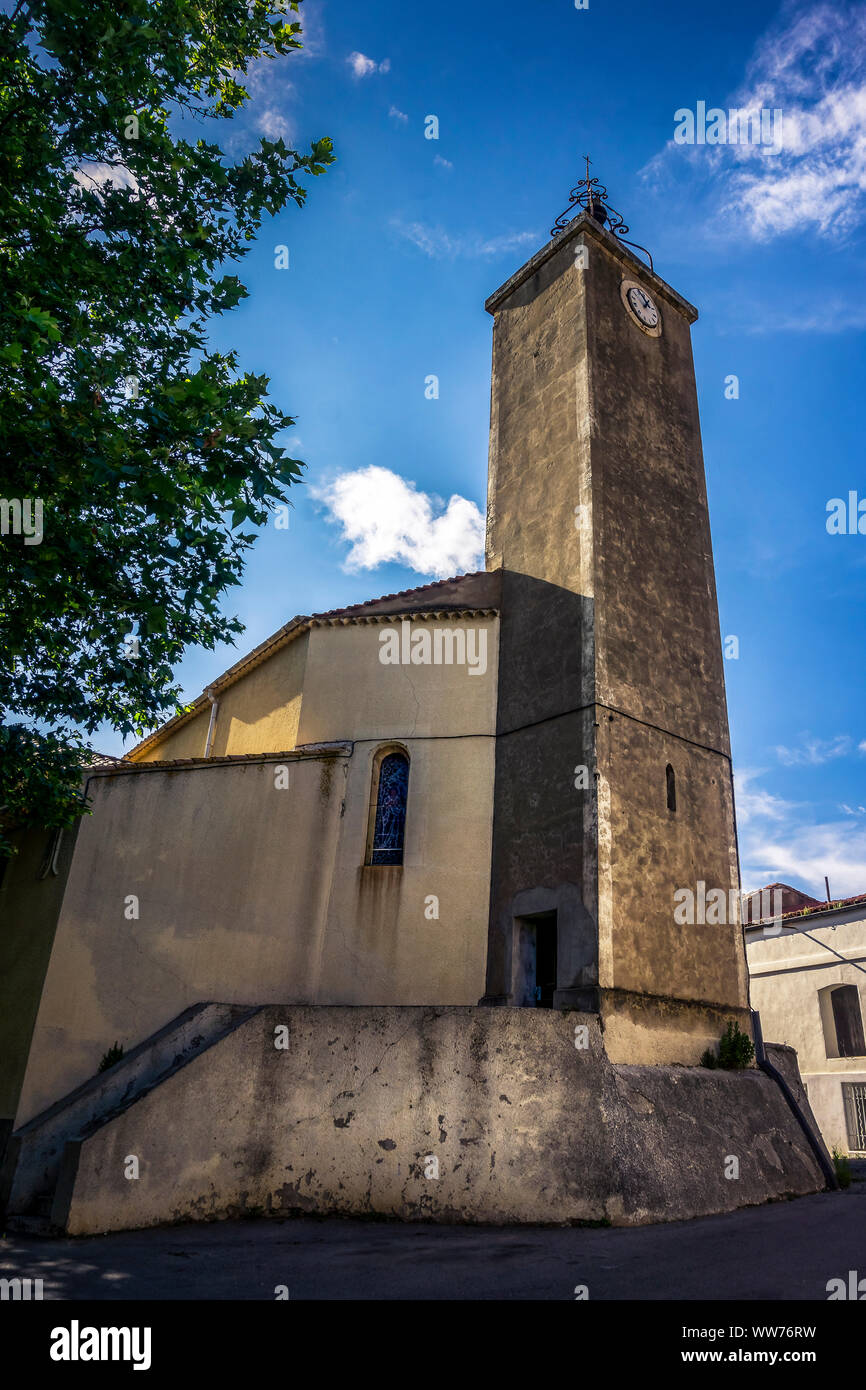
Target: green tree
{"points": [[147, 451]]}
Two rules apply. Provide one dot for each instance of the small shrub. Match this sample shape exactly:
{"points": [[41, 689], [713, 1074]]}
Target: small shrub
{"points": [[842, 1164], [736, 1048], [113, 1055]]}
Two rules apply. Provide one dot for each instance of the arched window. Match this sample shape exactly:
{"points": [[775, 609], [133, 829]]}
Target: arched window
{"points": [[671, 781], [391, 783]]}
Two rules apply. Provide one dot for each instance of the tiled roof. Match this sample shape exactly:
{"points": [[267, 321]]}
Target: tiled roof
{"points": [[93, 759], [805, 907], [434, 590]]}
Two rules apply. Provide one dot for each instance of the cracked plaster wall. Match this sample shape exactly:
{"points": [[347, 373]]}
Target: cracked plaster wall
{"points": [[523, 1126]]}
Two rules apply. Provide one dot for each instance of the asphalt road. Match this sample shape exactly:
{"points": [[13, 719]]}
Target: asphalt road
{"points": [[786, 1250]]}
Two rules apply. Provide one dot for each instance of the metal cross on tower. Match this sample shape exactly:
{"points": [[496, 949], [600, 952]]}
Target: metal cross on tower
{"points": [[590, 196]]}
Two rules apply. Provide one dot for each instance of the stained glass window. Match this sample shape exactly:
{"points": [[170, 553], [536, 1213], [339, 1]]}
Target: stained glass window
{"points": [[391, 810]]}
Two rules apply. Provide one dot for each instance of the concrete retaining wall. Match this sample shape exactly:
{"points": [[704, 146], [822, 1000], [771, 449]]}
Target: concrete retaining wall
{"points": [[36, 1150], [364, 1103]]}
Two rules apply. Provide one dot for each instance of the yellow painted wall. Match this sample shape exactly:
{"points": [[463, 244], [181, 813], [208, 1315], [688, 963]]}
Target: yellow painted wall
{"points": [[251, 894], [232, 878], [382, 947], [187, 741], [257, 714], [349, 693], [260, 713]]}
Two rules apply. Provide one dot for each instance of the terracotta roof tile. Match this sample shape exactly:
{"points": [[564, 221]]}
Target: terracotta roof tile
{"points": [[401, 594], [807, 907]]}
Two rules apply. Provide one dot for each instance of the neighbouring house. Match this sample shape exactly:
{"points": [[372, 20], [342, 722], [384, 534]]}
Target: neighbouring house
{"points": [[807, 966]]}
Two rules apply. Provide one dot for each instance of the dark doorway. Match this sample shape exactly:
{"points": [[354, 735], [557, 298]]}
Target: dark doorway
{"points": [[545, 961]]}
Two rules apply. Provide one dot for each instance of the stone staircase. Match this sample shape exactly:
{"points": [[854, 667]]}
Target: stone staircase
{"points": [[41, 1157]]}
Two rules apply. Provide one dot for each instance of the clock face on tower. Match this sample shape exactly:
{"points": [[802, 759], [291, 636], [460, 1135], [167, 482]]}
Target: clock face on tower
{"points": [[642, 308]]}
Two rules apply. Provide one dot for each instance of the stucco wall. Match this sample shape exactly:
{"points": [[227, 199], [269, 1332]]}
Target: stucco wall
{"points": [[826, 1099], [545, 829], [787, 972], [658, 649], [332, 670], [653, 854], [258, 714], [610, 653], [350, 693], [484, 1115], [186, 741], [251, 893], [384, 945], [232, 879], [262, 711], [659, 668]]}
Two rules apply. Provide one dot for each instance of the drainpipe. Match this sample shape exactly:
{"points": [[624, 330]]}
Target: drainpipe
{"points": [[815, 1144], [211, 728]]}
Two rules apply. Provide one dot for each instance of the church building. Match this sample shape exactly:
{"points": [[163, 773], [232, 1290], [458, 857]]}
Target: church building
{"points": [[386, 922]]}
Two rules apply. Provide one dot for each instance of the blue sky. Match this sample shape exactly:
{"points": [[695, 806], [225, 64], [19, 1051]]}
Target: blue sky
{"points": [[402, 240]]}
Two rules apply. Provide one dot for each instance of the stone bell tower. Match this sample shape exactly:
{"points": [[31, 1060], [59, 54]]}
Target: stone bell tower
{"points": [[613, 783]]}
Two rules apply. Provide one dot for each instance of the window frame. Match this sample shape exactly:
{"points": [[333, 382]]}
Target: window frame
{"points": [[854, 1106], [384, 751]]}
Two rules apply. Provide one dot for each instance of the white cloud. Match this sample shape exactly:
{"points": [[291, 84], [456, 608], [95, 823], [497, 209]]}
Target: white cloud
{"points": [[96, 175], [398, 115], [780, 842], [265, 78], [443, 163], [270, 94], [810, 65], [362, 66], [511, 241], [273, 124], [804, 855], [437, 243], [387, 520], [814, 751], [753, 803], [433, 241], [312, 30]]}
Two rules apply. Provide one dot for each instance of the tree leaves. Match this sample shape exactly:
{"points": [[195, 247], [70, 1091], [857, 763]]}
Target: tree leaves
{"points": [[148, 450]]}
